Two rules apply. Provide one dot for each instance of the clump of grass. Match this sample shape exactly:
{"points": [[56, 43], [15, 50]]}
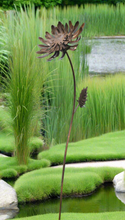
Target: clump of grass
{"points": [[9, 167], [104, 110], [37, 164], [5, 120], [45, 183], [7, 145], [106, 147], [35, 144], [8, 173], [25, 79]]}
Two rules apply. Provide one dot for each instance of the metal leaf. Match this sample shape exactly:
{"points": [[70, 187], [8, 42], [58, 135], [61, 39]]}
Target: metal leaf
{"points": [[83, 97]]}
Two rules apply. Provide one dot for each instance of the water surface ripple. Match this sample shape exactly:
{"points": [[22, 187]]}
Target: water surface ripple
{"points": [[107, 56]]}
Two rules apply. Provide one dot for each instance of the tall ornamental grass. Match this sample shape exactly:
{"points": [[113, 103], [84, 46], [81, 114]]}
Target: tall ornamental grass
{"points": [[100, 20], [105, 108], [104, 111], [26, 78]]}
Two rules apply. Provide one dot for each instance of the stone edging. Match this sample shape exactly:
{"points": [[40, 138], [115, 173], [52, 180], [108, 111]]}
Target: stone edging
{"points": [[110, 37]]}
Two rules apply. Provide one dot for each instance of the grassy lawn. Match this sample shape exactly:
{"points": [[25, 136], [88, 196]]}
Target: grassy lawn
{"points": [[109, 146], [79, 216], [46, 183]]}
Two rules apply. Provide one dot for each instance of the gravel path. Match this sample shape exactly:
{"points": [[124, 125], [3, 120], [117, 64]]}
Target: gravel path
{"points": [[115, 163]]}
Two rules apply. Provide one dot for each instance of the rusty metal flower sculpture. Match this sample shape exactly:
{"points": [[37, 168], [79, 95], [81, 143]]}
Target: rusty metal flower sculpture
{"points": [[64, 38], [60, 40]]}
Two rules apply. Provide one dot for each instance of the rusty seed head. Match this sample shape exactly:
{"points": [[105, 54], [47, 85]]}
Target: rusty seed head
{"points": [[61, 39], [83, 97]]}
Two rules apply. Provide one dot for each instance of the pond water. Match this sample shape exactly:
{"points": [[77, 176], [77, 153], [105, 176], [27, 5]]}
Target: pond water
{"points": [[107, 56], [103, 200]]}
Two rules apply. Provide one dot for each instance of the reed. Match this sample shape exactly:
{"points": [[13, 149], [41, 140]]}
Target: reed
{"points": [[99, 20], [104, 111]]}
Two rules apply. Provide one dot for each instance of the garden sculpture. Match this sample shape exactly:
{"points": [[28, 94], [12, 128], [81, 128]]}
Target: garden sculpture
{"points": [[64, 38]]}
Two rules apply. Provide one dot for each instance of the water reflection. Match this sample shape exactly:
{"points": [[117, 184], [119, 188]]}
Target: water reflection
{"points": [[103, 200], [107, 56]]}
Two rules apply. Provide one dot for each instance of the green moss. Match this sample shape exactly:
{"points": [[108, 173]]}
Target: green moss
{"points": [[8, 173], [37, 164], [45, 183], [5, 120], [105, 147], [35, 144], [7, 143], [10, 168]]}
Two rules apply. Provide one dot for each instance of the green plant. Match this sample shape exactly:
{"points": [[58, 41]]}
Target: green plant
{"points": [[9, 167], [45, 183], [25, 79], [108, 146], [35, 144], [8, 173], [79, 216]]}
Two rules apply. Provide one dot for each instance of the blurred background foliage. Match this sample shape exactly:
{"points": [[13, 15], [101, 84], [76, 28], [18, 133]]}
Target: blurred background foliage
{"points": [[10, 4]]}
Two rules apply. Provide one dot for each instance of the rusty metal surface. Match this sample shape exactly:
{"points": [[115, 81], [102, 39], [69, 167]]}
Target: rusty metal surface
{"points": [[63, 38], [83, 97]]}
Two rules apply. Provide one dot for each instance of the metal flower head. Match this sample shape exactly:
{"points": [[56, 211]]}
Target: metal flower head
{"points": [[61, 39]]}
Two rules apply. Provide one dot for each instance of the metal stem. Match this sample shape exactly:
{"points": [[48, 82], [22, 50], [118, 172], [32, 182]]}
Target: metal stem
{"points": [[73, 111]]}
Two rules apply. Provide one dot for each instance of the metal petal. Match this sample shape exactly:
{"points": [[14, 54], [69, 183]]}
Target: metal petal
{"points": [[75, 41], [66, 28], [63, 54], [70, 26], [59, 27], [63, 29], [78, 32], [56, 54], [75, 26], [43, 46], [52, 49], [54, 30], [41, 51], [48, 35], [73, 47], [45, 55], [47, 42]]}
